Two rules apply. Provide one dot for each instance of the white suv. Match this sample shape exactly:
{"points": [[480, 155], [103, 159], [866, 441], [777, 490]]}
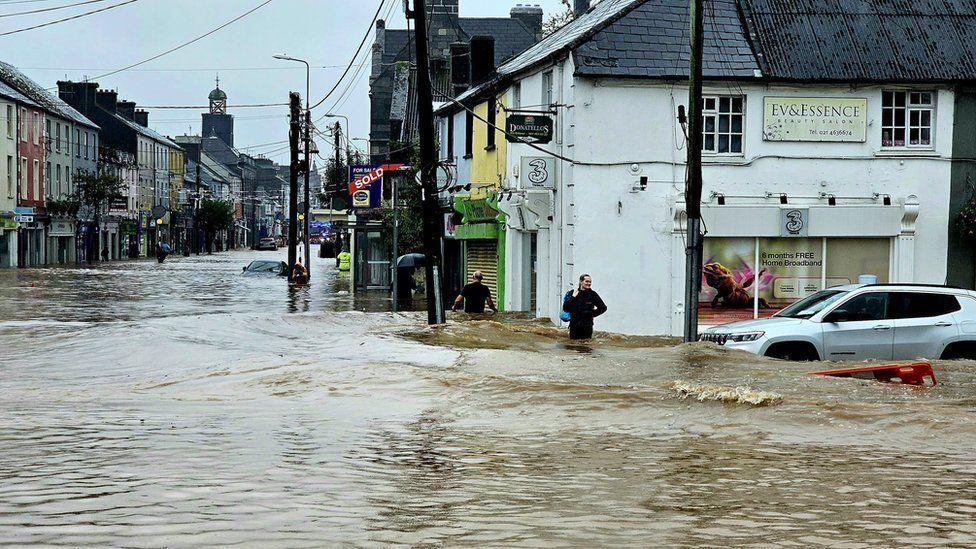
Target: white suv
{"points": [[857, 322]]}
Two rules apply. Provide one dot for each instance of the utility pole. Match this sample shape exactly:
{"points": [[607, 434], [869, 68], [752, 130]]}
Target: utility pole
{"points": [[693, 189], [196, 206], [338, 182], [308, 171], [428, 166], [294, 134], [396, 248]]}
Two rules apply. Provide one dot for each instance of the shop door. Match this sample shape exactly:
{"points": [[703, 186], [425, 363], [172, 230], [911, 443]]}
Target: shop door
{"points": [[534, 271], [5, 241], [482, 255], [377, 262]]}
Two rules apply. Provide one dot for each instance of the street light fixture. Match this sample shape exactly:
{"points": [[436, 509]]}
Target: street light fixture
{"points": [[308, 150]]}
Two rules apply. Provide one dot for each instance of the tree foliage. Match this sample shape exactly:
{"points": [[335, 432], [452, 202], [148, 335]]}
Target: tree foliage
{"points": [[95, 190], [410, 212], [215, 215], [557, 20]]}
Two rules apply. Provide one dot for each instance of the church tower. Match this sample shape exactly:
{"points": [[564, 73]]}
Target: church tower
{"points": [[217, 122]]}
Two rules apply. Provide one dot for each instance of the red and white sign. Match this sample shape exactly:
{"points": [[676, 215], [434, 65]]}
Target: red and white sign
{"points": [[363, 182]]}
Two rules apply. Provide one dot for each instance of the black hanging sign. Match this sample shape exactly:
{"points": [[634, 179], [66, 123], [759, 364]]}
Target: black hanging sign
{"points": [[531, 128]]}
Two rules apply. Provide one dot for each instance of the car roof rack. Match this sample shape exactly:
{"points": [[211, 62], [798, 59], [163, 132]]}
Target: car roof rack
{"points": [[915, 285]]}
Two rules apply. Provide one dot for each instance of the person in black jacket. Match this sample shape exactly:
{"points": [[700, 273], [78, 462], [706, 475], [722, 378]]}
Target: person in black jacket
{"points": [[583, 305]]}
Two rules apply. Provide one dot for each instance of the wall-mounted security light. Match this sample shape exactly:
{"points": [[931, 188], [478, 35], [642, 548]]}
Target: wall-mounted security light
{"points": [[721, 199], [783, 199], [887, 200], [831, 200]]}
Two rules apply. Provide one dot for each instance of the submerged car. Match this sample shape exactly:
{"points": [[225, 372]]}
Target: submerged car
{"points": [[266, 267], [267, 244], [859, 322]]}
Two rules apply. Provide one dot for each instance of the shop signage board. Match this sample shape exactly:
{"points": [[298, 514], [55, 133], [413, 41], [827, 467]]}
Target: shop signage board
{"points": [[794, 222], [23, 219], [61, 227], [366, 185], [118, 204], [529, 128], [538, 172], [823, 119], [24, 210]]}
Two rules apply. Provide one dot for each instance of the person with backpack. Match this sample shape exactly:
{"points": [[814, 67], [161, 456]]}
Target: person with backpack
{"points": [[583, 305]]}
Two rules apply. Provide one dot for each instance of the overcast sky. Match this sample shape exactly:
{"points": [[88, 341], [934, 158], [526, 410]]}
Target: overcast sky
{"points": [[326, 32]]}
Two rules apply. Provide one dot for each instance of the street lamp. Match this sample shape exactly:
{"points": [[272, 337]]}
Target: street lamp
{"points": [[308, 149]]}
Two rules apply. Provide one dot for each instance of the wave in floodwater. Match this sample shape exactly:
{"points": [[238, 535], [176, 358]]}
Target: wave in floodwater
{"points": [[185, 405]]}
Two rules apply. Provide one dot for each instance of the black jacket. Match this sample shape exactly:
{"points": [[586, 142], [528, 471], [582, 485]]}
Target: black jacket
{"points": [[584, 307]]}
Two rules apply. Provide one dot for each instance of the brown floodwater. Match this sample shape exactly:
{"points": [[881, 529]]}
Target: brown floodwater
{"points": [[146, 405]]}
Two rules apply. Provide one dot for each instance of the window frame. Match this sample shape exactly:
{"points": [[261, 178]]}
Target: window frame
{"points": [[548, 91], [11, 176], [468, 134], [492, 122], [11, 121], [907, 126], [450, 137], [715, 113]]}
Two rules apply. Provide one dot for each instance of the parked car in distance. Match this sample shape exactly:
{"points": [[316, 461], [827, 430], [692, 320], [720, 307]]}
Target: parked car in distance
{"points": [[267, 244], [266, 267], [859, 322]]}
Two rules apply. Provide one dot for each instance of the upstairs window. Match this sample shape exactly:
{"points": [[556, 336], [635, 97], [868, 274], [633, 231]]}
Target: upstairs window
{"points": [[492, 119], [468, 134], [547, 92], [450, 138], [907, 119], [722, 122]]}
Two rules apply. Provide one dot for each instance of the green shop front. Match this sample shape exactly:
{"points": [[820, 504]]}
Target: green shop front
{"points": [[482, 236]]}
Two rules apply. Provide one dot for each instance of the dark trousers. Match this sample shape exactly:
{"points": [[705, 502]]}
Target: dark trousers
{"points": [[580, 331]]}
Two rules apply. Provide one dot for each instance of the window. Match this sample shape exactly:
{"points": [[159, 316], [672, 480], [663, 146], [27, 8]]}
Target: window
{"points": [[78, 143], [23, 177], [67, 180], [23, 125], [517, 95], [37, 179], [722, 119], [57, 144], [450, 137], [906, 114], [921, 305], [47, 135], [10, 121], [492, 116], [468, 134], [86, 146], [37, 128], [547, 95], [10, 175], [47, 175], [862, 308], [59, 179]]}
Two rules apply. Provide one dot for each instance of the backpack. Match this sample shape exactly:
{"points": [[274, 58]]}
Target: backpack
{"points": [[563, 315]]}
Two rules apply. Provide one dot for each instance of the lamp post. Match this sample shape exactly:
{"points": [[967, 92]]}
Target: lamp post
{"points": [[308, 152]]}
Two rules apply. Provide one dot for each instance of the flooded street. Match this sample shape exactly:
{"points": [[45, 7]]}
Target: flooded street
{"points": [[182, 404]]}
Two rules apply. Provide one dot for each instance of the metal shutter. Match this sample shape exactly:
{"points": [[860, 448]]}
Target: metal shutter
{"points": [[482, 255]]}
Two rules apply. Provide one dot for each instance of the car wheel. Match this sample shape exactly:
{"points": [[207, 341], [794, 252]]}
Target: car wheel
{"points": [[793, 351]]}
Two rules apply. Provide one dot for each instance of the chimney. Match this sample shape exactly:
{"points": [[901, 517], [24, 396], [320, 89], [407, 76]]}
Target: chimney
{"points": [[127, 109], [444, 7], [142, 118], [530, 16], [482, 58], [379, 49], [107, 99], [460, 67], [580, 7]]}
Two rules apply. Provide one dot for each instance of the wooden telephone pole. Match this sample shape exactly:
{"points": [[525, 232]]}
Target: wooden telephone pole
{"points": [[428, 167], [693, 188], [294, 134]]}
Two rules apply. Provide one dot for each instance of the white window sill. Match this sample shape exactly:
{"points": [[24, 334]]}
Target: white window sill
{"points": [[907, 153], [731, 159]]}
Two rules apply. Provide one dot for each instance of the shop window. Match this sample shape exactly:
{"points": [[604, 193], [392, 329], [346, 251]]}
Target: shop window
{"points": [[745, 278], [722, 124], [907, 119]]}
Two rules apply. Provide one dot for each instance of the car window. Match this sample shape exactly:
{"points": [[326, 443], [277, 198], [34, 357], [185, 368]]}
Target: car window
{"points": [[921, 304], [872, 306], [812, 305], [269, 266]]}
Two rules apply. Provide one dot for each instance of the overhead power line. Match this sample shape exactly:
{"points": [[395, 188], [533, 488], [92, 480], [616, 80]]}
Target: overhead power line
{"points": [[42, 10], [352, 61], [63, 20], [187, 43], [193, 107]]}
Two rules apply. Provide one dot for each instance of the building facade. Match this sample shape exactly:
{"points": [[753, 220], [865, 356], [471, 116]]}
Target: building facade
{"points": [[816, 173]]}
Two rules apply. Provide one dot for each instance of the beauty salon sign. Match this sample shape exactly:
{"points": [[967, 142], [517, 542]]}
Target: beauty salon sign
{"points": [[815, 119]]}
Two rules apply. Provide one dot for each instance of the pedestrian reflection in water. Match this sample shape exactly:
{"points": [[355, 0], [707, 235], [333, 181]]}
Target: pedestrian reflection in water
{"points": [[298, 299]]}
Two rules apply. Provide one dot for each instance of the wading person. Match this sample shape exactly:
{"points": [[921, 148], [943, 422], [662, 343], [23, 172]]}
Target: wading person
{"points": [[474, 295], [583, 305], [299, 275]]}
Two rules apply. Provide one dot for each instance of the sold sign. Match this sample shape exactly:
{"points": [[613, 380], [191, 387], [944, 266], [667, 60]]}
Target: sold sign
{"points": [[364, 182]]}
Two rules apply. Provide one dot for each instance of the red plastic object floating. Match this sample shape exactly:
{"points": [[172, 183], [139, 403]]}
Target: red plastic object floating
{"points": [[913, 373]]}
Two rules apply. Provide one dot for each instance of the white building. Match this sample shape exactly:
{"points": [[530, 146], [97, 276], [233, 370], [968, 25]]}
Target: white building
{"points": [[822, 164]]}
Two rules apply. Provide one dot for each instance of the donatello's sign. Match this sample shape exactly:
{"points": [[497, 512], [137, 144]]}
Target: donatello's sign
{"points": [[837, 119], [529, 128]]}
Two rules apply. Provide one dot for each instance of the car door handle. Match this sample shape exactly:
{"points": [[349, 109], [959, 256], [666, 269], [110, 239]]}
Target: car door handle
{"points": [[943, 324], [881, 328]]}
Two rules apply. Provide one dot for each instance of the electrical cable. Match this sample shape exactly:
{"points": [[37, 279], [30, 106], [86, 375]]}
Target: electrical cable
{"points": [[41, 10], [372, 24], [185, 44], [66, 19]]}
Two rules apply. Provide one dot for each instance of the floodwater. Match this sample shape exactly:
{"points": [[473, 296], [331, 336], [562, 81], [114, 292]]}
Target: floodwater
{"points": [[176, 405]]}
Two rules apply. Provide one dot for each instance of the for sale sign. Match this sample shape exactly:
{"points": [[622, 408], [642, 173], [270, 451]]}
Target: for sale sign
{"points": [[366, 185]]}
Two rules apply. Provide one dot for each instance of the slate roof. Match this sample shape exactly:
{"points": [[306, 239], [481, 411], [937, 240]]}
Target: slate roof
{"points": [[511, 35], [779, 40], [864, 40], [652, 41], [39, 97], [146, 132], [14, 95]]}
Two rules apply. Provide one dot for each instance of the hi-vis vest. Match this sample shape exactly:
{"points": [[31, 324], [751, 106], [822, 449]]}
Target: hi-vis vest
{"points": [[345, 261]]}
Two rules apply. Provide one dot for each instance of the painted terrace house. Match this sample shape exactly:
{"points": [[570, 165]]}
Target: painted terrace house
{"points": [[838, 137]]}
